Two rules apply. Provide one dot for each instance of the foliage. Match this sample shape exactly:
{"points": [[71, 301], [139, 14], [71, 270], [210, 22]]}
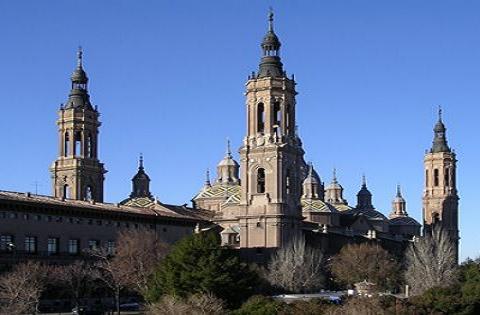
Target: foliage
{"points": [[358, 262], [195, 304], [260, 305], [296, 268], [470, 281], [198, 264]]}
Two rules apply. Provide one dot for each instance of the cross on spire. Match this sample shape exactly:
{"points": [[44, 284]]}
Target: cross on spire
{"points": [[80, 57], [270, 20]]}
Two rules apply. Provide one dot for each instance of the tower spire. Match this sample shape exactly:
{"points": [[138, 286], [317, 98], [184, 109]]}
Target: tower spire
{"points": [[229, 150], [270, 20], [270, 65], [79, 58], [334, 179], [207, 178], [440, 143], [140, 162]]}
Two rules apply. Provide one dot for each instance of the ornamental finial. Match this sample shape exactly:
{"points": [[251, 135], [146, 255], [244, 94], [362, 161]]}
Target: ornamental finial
{"points": [[270, 20], [80, 57]]}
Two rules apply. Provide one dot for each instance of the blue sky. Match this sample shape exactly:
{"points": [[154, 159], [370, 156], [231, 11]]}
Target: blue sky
{"points": [[168, 78]]}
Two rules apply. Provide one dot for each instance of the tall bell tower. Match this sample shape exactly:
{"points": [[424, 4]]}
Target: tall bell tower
{"points": [[77, 173], [272, 164], [440, 198]]}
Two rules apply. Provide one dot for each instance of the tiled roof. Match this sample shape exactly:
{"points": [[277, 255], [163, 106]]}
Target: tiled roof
{"points": [[317, 206], [215, 191], [94, 206]]}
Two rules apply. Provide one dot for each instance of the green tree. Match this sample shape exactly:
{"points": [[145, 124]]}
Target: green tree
{"points": [[198, 264], [260, 305]]}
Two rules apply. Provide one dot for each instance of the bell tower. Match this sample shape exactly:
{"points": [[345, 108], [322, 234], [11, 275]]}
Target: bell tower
{"points": [[272, 164], [77, 173], [440, 198]]}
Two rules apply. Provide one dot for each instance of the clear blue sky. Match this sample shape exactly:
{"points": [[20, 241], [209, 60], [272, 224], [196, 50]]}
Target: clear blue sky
{"points": [[168, 78]]}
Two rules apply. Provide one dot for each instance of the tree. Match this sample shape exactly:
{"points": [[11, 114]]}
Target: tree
{"points": [[198, 264], [365, 261], [139, 252], [131, 263], [431, 261], [296, 267], [20, 289], [195, 304], [75, 278]]}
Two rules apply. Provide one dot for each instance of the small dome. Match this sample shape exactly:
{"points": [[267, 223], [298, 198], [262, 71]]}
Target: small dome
{"points": [[312, 176], [271, 41], [228, 161], [79, 76]]}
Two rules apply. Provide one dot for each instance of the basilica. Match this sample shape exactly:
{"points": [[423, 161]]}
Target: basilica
{"points": [[256, 205]]}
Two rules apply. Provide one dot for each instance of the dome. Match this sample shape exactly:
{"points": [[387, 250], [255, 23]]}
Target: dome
{"points": [[271, 41], [404, 221], [228, 161], [79, 76]]}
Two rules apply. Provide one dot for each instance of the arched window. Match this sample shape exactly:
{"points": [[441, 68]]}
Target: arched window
{"points": [[66, 147], [287, 118], [261, 181], [277, 114], [66, 191], [435, 177], [447, 177], [78, 141], [260, 117], [88, 193]]}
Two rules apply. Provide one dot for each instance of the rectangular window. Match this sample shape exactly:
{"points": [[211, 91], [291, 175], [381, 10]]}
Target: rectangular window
{"points": [[52, 245], [6, 243], [73, 247], [93, 244], [31, 244]]}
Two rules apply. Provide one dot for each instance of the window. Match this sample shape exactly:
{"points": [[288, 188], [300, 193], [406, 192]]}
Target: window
{"points": [[77, 148], [426, 178], [287, 118], [435, 177], [111, 247], [447, 177], [66, 144], [38, 217], [66, 191], [6, 243], [52, 245], [260, 117], [73, 247], [277, 114], [12, 215], [261, 181], [93, 244], [25, 216], [30, 244], [287, 183]]}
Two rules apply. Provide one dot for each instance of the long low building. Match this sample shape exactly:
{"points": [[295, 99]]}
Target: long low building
{"points": [[55, 229]]}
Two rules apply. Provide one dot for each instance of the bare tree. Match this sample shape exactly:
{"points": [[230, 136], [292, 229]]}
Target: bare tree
{"points": [[139, 252], [431, 261], [130, 264], [21, 288], [358, 262], [76, 278], [196, 304], [296, 267]]}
